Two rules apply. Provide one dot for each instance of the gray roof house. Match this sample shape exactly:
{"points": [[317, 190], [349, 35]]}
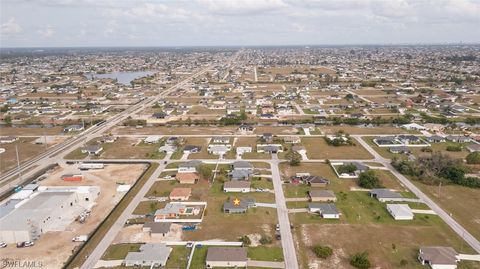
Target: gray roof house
{"points": [[230, 207], [151, 255], [240, 174], [435, 139], [399, 150], [458, 138], [327, 211], [400, 211], [162, 228], [226, 257], [322, 196], [242, 165], [386, 195], [92, 149], [438, 257]]}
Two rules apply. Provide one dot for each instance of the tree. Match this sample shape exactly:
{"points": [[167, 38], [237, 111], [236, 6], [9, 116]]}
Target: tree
{"points": [[346, 168], [294, 158], [8, 120], [322, 251], [246, 240], [205, 171], [369, 180], [473, 158], [360, 260]]}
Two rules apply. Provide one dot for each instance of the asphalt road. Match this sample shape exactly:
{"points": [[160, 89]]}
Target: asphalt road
{"points": [[289, 254], [470, 239], [107, 240]]}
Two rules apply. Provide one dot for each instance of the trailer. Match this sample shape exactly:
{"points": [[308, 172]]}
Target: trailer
{"points": [[72, 177], [88, 166]]}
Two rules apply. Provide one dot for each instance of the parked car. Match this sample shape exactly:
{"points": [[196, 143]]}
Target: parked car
{"points": [[25, 244], [3, 245], [198, 246], [189, 244]]}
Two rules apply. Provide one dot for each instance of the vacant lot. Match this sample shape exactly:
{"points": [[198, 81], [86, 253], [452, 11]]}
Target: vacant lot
{"points": [[387, 245], [6, 131], [131, 148], [365, 130], [317, 148], [27, 149], [459, 201]]}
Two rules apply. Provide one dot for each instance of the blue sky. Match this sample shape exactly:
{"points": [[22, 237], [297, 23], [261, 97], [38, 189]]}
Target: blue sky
{"points": [[60, 23]]}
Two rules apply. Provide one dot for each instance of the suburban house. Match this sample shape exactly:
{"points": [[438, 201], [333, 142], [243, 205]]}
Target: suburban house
{"points": [[327, 211], [157, 229], [152, 139], [269, 148], [399, 150], [242, 150], [236, 186], [246, 129], [191, 149], [174, 210], [267, 137], [189, 167], [73, 128], [226, 257], [386, 195], [241, 170], [400, 211], [221, 140], [238, 205], [315, 181], [458, 138], [150, 255], [435, 139], [438, 257], [292, 140], [322, 196], [187, 178], [414, 126], [219, 149], [109, 139], [386, 141], [92, 149], [167, 148], [180, 194]]}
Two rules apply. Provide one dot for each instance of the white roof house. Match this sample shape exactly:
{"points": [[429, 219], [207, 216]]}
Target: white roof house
{"points": [[152, 255], [400, 211]]}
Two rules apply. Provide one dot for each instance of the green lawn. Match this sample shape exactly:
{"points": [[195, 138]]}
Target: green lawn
{"points": [[262, 253], [119, 251]]}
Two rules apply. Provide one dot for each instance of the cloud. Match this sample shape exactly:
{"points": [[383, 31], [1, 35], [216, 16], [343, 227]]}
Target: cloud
{"points": [[241, 7], [47, 31], [10, 27]]}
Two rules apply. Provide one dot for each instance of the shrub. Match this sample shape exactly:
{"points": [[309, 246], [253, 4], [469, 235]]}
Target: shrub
{"points": [[473, 158], [360, 260], [265, 239], [246, 240], [454, 148], [322, 251]]}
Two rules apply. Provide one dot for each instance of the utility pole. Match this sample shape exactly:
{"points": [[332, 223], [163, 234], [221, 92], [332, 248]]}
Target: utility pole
{"points": [[439, 188], [18, 164]]}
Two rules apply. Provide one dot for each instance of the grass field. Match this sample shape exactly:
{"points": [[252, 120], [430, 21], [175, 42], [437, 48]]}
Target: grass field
{"points": [[317, 148], [387, 245]]}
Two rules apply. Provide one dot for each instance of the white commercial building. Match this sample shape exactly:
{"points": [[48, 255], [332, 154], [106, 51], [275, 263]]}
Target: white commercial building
{"points": [[49, 209]]}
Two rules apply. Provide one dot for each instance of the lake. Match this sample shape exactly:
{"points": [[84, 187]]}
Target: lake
{"points": [[122, 77]]}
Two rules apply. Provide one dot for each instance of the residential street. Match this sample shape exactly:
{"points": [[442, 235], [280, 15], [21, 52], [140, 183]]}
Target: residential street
{"points": [[470, 239]]}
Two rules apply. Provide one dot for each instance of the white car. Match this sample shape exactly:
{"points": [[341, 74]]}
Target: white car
{"points": [[3, 245]]}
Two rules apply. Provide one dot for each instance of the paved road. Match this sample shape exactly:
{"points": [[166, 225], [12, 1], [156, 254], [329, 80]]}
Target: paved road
{"points": [[470, 239], [102, 246], [289, 254]]}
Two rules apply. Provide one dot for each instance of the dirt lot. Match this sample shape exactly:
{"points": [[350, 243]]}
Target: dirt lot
{"points": [[387, 245], [167, 130], [54, 248], [135, 234], [26, 149], [6, 131]]}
